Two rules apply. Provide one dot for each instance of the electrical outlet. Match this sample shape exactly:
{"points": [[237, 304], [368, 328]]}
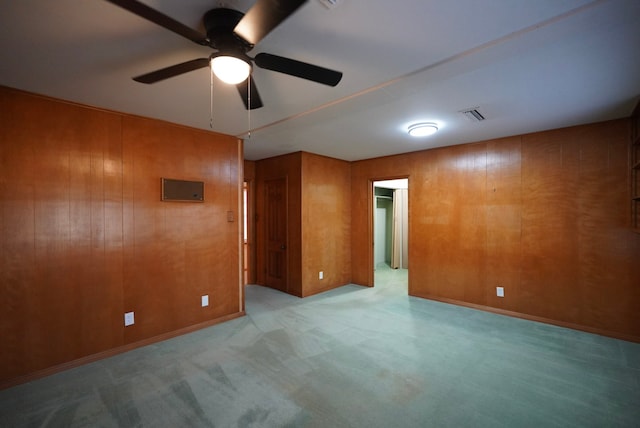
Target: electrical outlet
{"points": [[500, 291], [205, 300], [128, 319], [321, 275]]}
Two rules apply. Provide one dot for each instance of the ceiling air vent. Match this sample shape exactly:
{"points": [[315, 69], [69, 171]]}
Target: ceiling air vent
{"points": [[472, 114]]}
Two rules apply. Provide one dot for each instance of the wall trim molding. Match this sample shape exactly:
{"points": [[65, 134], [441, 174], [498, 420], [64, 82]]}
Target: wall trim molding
{"points": [[572, 326], [115, 351]]}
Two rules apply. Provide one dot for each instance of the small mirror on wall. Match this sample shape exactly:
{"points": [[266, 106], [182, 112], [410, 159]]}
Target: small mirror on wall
{"points": [[182, 190]]}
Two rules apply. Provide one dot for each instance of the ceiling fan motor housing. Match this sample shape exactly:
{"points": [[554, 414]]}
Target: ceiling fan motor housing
{"points": [[220, 24]]}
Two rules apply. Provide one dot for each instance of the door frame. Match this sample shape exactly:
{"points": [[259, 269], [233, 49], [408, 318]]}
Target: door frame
{"points": [[371, 199], [249, 249]]}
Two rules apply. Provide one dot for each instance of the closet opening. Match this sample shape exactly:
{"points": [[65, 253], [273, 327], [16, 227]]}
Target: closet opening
{"points": [[391, 231]]}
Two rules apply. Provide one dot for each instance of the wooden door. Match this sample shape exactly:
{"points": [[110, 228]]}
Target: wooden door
{"points": [[276, 233]]}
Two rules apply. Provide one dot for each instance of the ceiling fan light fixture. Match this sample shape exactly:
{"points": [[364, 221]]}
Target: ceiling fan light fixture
{"points": [[422, 129], [230, 69]]}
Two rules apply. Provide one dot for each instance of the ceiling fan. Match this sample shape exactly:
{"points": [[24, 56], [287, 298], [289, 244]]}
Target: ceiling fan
{"points": [[233, 34]]}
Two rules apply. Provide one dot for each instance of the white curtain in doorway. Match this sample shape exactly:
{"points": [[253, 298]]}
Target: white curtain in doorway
{"points": [[400, 241]]}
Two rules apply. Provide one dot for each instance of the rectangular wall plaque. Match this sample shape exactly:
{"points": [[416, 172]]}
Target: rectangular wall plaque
{"points": [[182, 190]]}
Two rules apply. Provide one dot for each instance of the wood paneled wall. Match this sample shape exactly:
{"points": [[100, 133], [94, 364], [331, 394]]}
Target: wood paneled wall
{"points": [[544, 215], [319, 218], [84, 237], [326, 223]]}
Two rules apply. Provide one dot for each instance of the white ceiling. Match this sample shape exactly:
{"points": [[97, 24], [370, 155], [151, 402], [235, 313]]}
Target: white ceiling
{"points": [[528, 65]]}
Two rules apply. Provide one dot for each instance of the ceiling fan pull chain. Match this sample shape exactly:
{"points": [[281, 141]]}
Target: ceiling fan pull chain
{"points": [[211, 101]]}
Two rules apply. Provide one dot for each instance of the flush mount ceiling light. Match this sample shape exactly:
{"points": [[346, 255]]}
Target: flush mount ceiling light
{"points": [[422, 129], [230, 69]]}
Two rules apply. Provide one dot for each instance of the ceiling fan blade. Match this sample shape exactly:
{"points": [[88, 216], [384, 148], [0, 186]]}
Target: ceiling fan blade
{"points": [[298, 69], [243, 90], [174, 70], [144, 11], [264, 16]]}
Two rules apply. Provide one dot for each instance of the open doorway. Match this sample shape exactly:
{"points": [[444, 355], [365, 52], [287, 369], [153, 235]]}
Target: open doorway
{"points": [[249, 233], [391, 232]]}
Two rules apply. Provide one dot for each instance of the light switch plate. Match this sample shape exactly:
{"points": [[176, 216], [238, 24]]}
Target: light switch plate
{"points": [[205, 300], [500, 291]]}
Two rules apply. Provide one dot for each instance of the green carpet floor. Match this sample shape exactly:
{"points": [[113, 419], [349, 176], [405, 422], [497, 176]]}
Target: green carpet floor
{"points": [[351, 357]]}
